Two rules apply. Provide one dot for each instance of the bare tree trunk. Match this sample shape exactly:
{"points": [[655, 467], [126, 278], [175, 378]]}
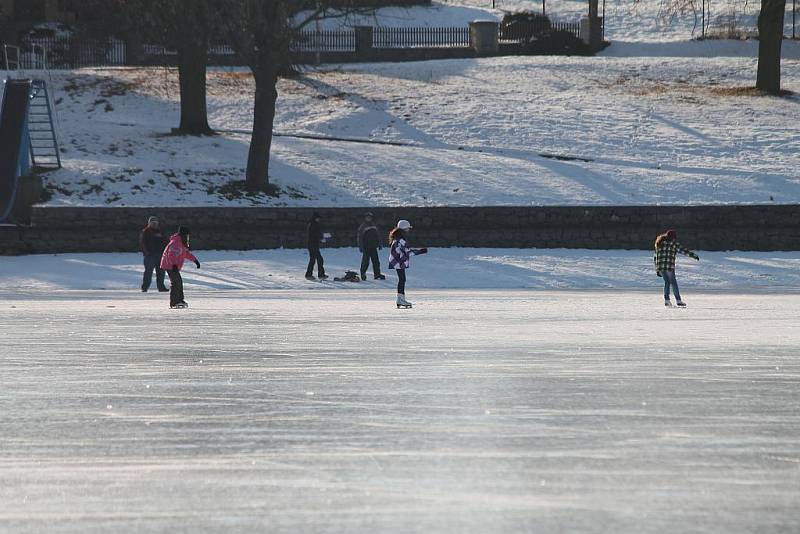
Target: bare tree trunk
{"points": [[192, 61], [770, 38], [263, 121]]}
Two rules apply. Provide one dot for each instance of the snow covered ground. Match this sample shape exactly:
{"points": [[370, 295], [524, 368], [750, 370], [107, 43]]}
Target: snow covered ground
{"points": [[330, 411], [626, 21], [441, 269], [638, 125]]}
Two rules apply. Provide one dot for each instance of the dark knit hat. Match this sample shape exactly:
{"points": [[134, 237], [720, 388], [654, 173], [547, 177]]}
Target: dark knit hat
{"points": [[183, 231]]}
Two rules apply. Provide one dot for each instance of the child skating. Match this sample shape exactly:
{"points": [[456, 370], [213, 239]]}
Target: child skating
{"points": [[400, 258], [175, 254], [666, 249]]}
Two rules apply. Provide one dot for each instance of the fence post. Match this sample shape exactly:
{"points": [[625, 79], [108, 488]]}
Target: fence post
{"points": [[591, 29], [483, 37], [363, 41], [133, 48]]}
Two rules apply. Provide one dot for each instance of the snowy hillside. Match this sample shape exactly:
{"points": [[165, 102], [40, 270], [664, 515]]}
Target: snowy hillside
{"points": [[452, 268], [634, 129], [626, 20]]}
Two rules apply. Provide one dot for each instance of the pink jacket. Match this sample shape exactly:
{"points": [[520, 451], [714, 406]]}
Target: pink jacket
{"points": [[175, 254]]}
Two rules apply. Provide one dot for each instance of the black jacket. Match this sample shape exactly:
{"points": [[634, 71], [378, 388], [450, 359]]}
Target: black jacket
{"points": [[152, 241], [368, 236], [314, 234]]}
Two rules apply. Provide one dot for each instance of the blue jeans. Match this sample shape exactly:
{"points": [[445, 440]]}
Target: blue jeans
{"points": [[150, 263], [669, 279]]}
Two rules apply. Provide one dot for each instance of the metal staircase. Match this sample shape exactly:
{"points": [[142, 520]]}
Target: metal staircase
{"points": [[41, 130], [42, 140]]}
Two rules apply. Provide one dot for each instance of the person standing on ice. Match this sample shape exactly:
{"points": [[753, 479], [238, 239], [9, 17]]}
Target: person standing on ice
{"points": [[175, 254], [369, 244], [152, 243], [666, 249], [315, 239], [400, 258]]}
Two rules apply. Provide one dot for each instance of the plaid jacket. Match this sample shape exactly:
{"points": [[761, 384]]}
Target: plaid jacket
{"points": [[665, 252]]}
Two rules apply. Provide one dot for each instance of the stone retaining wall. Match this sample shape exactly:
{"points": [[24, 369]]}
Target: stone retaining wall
{"points": [[702, 227]]}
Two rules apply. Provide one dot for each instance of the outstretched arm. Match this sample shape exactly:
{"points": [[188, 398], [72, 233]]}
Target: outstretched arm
{"points": [[687, 252]]}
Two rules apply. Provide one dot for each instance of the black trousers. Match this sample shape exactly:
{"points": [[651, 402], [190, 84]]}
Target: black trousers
{"points": [[150, 263], [366, 256], [401, 281], [175, 286], [315, 256]]}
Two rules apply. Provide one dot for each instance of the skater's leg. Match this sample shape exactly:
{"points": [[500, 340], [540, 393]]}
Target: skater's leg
{"points": [[364, 263], [671, 281], [179, 278], [174, 285], [401, 281], [320, 264], [675, 290], [160, 273], [312, 259], [147, 278], [376, 262], [665, 276]]}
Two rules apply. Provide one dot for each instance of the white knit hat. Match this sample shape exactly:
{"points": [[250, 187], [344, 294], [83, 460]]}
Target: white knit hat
{"points": [[404, 224]]}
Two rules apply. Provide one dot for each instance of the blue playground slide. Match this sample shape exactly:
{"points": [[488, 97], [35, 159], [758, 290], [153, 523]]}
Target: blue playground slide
{"points": [[15, 159]]}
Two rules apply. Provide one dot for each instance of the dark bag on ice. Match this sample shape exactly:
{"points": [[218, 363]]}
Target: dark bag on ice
{"points": [[349, 276]]}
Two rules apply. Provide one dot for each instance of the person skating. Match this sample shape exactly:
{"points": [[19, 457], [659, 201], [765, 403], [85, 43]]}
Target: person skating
{"points": [[175, 254], [369, 244], [152, 243], [400, 258], [666, 249], [315, 239]]}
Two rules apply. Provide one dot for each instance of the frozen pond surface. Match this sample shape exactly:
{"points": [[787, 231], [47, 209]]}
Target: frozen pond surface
{"points": [[331, 411]]}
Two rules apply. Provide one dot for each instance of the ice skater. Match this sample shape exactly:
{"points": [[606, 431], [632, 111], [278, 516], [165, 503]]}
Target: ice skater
{"points": [[315, 239], [369, 243], [175, 254], [400, 258], [666, 248], [152, 243]]}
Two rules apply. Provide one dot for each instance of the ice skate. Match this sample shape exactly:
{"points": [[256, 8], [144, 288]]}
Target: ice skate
{"points": [[310, 277], [402, 302], [681, 304], [667, 303], [380, 277], [323, 277]]}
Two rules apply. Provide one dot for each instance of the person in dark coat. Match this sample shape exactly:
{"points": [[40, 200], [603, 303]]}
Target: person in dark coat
{"points": [[369, 244], [315, 239], [152, 244]]}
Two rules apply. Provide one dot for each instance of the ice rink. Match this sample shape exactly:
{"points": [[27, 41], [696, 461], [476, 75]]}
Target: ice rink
{"points": [[332, 411]]}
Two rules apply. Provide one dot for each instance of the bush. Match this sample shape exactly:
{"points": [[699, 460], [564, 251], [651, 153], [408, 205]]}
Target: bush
{"points": [[557, 43], [524, 25]]}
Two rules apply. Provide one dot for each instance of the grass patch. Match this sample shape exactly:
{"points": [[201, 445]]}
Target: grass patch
{"points": [[238, 189]]}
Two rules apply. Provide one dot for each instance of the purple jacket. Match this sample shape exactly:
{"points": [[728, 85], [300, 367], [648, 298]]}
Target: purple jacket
{"points": [[400, 254]]}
